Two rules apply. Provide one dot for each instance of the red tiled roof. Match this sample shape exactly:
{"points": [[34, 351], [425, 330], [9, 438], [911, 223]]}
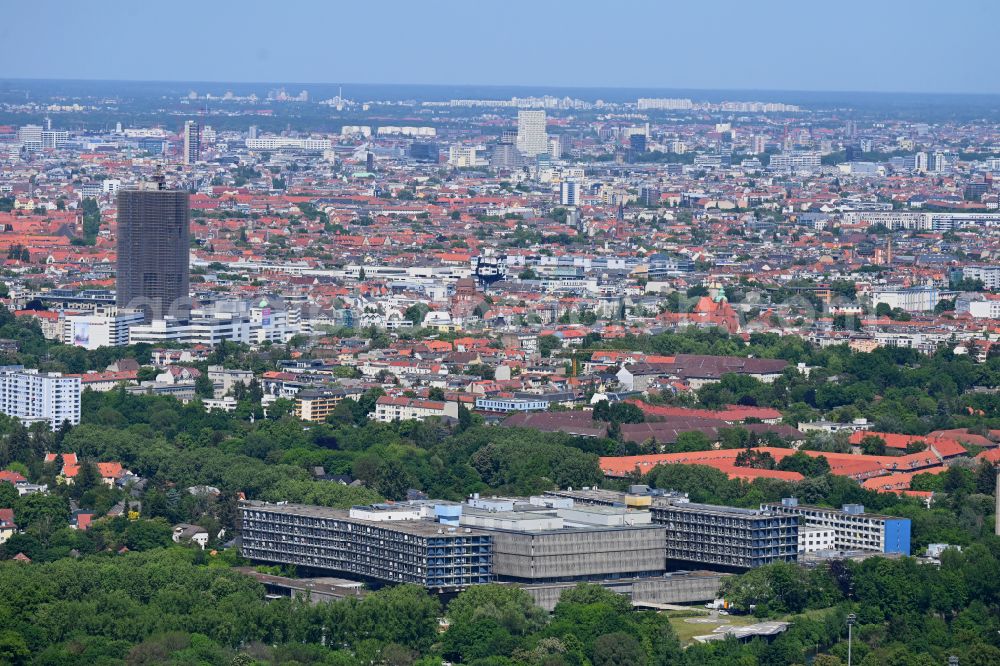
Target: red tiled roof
{"points": [[731, 414], [110, 470], [11, 477]]}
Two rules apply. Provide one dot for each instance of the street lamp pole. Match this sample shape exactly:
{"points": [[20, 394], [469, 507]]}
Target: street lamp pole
{"points": [[851, 619]]}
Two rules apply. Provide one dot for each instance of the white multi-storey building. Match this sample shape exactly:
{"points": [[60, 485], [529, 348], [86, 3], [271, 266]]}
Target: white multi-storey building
{"points": [[394, 130], [288, 143], [555, 147], [990, 275], [30, 136], [32, 396], [210, 330], [465, 156], [272, 325], [532, 139], [569, 193], [814, 539], [853, 528], [103, 328], [250, 325], [988, 307], [388, 409], [663, 104], [911, 220], [795, 162], [913, 299]]}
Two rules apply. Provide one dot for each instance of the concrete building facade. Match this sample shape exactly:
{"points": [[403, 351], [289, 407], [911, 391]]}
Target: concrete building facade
{"points": [[854, 529], [550, 539], [153, 250], [397, 550], [707, 535], [35, 396], [108, 328], [532, 139], [727, 536]]}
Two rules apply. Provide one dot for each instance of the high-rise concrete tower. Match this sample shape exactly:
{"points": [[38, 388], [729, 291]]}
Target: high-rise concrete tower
{"points": [[153, 250], [192, 142], [532, 139]]}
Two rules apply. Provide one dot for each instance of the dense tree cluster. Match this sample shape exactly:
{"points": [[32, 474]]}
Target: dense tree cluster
{"points": [[177, 606], [176, 447], [898, 389], [908, 613], [183, 606]]}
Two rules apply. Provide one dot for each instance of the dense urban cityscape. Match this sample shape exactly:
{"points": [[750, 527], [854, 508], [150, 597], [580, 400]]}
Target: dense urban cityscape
{"points": [[356, 374]]}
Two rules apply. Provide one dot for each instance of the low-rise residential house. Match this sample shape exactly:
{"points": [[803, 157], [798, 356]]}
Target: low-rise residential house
{"points": [[185, 533], [389, 409], [8, 527]]}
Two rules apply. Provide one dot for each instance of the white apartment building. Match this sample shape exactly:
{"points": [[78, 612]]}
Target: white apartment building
{"points": [[465, 156], [532, 139], [663, 104], [103, 328], [30, 136], [270, 325], [853, 528], [394, 130], [990, 275], [911, 299], [985, 309], [54, 138], [555, 147], [250, 325], [569, 193], [912, 220], [354, 130], [208, 330], [32, 396], [814, 539], [229, 378], [795, 162], [288, 143], [389, 409]]}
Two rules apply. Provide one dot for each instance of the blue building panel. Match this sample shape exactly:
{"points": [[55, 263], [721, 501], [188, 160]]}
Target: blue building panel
{"points": [[897, 535]]}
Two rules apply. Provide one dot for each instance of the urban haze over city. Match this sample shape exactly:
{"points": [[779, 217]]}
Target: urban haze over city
{"points": [[500, 334]]}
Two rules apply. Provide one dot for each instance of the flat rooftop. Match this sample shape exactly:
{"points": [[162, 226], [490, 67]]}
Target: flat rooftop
{"points": [[423, 527], [590, 494], [569, 525], [715, 509], [833, 510]]}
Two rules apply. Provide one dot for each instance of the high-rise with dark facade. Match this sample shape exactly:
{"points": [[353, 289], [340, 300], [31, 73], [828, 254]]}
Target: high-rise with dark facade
{"points": [[192, 142], [153, 250], [425, 152]]}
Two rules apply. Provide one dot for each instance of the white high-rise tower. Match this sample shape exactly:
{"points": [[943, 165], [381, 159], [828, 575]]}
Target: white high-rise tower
{"points": [[531, 137]]}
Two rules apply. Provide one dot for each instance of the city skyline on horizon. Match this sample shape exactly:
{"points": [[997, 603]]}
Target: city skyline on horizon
{"points": [[722, 46], [535, 88]]}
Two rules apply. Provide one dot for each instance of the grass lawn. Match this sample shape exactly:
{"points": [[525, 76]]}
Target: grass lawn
{"points": [[687, 629]]}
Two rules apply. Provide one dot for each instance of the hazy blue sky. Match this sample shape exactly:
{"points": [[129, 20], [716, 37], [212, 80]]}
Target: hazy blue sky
{"points": [[870, 45]]}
